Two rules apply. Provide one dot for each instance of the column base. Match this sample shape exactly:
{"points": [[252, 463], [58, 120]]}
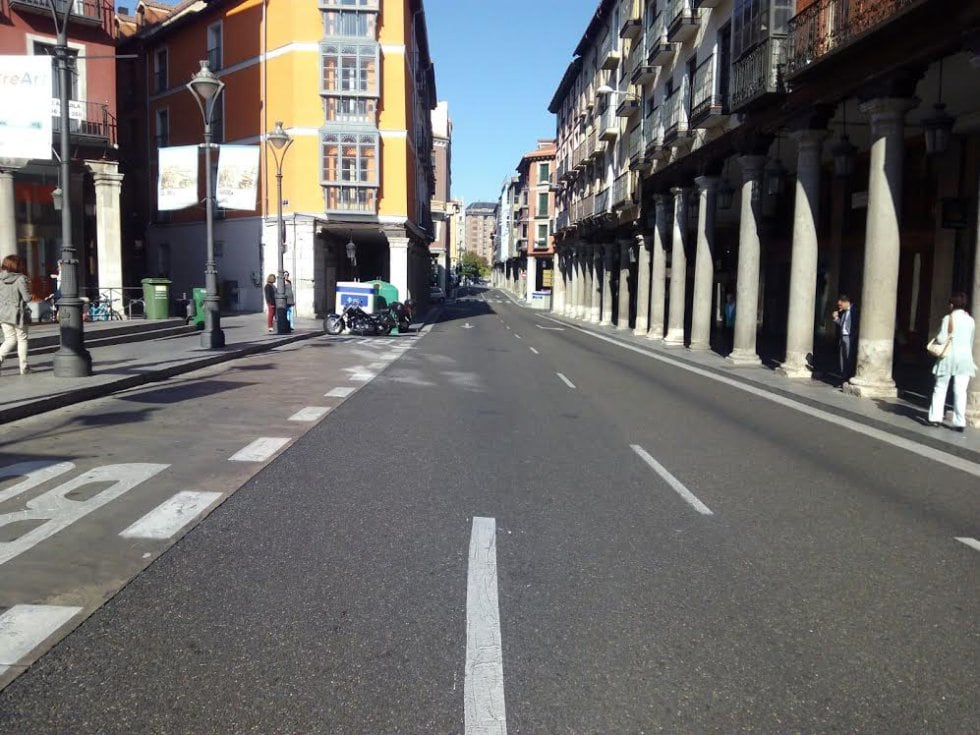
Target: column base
{"points": [[863, 388], [794, 372], [594, 317], [699, 346], [674, 338], [743, 358], [640, 331], [656, 334]]}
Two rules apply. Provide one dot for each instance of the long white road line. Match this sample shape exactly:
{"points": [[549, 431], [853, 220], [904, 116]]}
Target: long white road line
{"points": [[928, 452], [169, 517], [483, 686], [971, 542], [566, 381], [676, 484]]}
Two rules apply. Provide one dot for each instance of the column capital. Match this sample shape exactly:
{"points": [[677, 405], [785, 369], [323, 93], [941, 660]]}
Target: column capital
{"points": [[681, 191], [104, 178], [707, 183], [809, 137], [752, 167], [6, 173], [888, 113]]}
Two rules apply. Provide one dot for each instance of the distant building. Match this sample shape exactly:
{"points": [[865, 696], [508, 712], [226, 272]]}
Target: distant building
{"points": [[535, 176], [442, 157], [480, 223]]}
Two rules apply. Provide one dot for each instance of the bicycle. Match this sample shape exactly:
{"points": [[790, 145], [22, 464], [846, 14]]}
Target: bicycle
{"points": [[102, 311]]}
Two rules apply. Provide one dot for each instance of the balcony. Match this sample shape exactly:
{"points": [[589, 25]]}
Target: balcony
{"points": [[828, 26], [578, 157], [89, 122], [632, 28], [628, 105], [708, 107], [608, 121], [643, 74], [676, 130], [682, 21], [661, 52], [344, 199], [562, 220], [609, 56], [350, 4], [758, 73], [635, 149], [698, 4], [622, 191], [601, 203], [82, 11]]}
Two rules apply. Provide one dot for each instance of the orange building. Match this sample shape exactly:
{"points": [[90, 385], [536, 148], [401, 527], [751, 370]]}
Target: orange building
{"points": [[29, 222], [536, 240], [352, 82]]}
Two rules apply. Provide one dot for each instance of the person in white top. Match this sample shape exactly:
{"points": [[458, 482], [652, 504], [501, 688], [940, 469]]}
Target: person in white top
{"points": [[957, 363]]}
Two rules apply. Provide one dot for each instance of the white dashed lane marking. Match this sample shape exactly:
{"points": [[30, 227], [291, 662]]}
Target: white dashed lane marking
{"points": [[260, 450], [172, 515], [341, 392], [310, 413], [671, 480], [971, 542], [566, 381], [24, 627]]}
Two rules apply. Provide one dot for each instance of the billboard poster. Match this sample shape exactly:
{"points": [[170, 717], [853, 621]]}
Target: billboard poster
{"points": [[25, 107], [177, 183], [238, 176]]}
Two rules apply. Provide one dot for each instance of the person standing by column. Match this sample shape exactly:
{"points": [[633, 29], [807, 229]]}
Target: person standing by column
{"points": [[14, 298], [845, 317], [956, 363], [728, 320], [290, 298], [270, 299]]}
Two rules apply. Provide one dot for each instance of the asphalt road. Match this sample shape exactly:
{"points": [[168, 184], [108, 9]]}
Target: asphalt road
{"points": [[671, 555]]}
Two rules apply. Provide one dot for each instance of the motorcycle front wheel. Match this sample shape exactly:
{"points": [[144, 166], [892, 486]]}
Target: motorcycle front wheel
{"points": [[333, 324]]}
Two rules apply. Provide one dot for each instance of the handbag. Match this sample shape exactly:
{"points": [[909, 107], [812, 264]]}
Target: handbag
{"points": [[939, 350]]}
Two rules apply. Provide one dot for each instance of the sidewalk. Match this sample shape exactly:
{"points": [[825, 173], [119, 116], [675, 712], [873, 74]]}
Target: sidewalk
{"points": [[897, 416], [123, 366]]}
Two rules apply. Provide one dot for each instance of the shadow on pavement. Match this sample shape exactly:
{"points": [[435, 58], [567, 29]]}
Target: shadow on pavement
{"points": [[188, 391]]}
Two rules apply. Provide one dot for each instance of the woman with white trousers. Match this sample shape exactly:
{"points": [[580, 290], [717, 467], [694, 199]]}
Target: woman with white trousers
{"points": [[957, 362]]}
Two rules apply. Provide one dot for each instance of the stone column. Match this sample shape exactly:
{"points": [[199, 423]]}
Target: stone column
{"points": [[658, 277], [558, 282], [595, 285], [398, 263], [623, 310], [678, 270], [572, 297], [581, 309], [879, 291], [642, 285], [108, 229], [704, 264], [532, 278], [8, 214], [749, 253], [973, 391], [803, 266], [605, 319]]}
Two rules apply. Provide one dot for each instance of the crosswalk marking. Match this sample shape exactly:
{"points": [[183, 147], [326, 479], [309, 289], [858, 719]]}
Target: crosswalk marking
{"points": [[483, 685], [259, 450], [24, 627], [172, 515]]}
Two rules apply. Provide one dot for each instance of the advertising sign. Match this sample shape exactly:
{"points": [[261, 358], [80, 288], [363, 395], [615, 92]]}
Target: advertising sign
{"points": [[177, 184], [25, 107], [238, 176]]}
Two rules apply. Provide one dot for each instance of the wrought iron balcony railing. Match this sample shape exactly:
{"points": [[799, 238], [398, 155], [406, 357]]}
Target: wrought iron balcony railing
{"points": [[675, 119], [622, 190], [707, 102], [682, 20], [86, 120], [601, 202], [350, 4], [339, 198], [82, 11], [829, 25], [758, 73]]}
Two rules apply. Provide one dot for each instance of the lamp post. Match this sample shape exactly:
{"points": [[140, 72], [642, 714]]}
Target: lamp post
{"points": [[206, 88], [71, 360], [280, 141]]}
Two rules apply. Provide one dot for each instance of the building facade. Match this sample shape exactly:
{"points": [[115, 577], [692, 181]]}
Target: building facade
{"points": [[480, 224], [442, 206], [354, 86], [30, 224], [782, 151], [534, 217]]}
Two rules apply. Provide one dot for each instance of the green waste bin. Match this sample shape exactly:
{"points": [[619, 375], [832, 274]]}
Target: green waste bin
{"points": [[198, 295], [156, 297]]}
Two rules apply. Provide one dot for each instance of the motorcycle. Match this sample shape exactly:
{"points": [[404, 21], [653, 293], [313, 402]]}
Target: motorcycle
{"points": [[357, 321], [402, 313]]}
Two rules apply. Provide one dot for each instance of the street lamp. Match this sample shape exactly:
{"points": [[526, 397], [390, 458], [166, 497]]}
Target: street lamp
{"points": [[206, 88], [280, 141], [71, 360]]}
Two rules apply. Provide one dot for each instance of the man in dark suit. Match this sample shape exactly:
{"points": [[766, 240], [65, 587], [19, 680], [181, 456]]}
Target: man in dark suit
{"points": [[845, 317]]}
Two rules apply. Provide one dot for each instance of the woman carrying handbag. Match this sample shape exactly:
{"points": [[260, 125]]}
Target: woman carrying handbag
{"points": [[14, 298], [953, 349]]}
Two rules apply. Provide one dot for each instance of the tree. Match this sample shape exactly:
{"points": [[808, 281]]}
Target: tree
{"points": [[473, 265]]}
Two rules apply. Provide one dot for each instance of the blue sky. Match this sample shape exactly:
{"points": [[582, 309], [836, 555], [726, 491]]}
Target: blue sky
{"points": [[498, 63]]}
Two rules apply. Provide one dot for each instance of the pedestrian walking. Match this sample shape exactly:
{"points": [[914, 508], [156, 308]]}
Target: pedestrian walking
{"points": [[955, 362], [290, 298], [845, 317], [270, 299], [14, 298], [728, 322]]}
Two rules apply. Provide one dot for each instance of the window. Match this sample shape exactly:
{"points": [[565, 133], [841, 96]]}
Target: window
{"points": [[214, 46], [351, 68], [160, 70], [350, 23], [542, 208], [163, 127], [692, 69], [350, 158], [751, 24], [541, 238], [544, 172], [218, 121], [47, 49], [350, 110]]}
